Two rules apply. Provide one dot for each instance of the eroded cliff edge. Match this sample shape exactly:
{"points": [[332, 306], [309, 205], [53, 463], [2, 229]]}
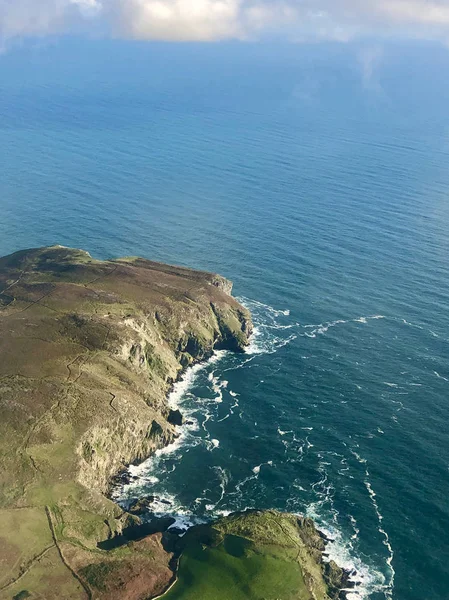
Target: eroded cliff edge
{"points": [[88, 352]]}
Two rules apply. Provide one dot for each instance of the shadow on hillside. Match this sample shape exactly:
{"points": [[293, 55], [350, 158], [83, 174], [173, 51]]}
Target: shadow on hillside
{"points": [[137, 532]]}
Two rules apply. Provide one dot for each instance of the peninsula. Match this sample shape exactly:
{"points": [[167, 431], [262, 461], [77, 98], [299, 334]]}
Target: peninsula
{"points": [[89, 350]]}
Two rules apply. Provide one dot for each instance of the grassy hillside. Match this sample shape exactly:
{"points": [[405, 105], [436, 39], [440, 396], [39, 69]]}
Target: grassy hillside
{"points": [[255, 556]]}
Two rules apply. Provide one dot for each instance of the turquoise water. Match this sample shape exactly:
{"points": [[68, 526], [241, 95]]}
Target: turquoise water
{"points": [[319, 184]]}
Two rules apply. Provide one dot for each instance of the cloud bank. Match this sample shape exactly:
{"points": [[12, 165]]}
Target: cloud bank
{"points": [[214, 20]]}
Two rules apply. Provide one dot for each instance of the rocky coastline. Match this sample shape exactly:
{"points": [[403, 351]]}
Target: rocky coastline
{"points": [[89, 351]]}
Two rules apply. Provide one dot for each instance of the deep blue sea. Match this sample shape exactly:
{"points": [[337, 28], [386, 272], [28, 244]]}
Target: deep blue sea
{"points": [[317, 179]]}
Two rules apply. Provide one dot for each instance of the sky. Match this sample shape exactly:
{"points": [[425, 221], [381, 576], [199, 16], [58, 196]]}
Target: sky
{"points": [[216, 20]]}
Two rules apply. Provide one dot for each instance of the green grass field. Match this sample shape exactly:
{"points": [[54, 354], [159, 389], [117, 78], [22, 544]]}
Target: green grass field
{"points": [[237, 569]]}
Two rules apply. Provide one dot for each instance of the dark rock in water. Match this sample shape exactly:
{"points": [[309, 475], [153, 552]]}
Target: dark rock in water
{"points": [[337, 579], [189, 423], [175, 417], [141, 505], [122, 478], [325, 537]]}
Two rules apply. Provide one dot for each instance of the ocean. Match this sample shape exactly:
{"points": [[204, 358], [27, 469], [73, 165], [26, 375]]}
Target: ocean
{"points": [[316, 178]]}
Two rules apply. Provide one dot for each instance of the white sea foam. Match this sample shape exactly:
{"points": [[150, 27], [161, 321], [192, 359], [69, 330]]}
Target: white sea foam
{"points": [[284, 432], [355, 535], [244, 481], [223, 477], [185, 521], [188, 379], [218, 385], [144, 472], [411, 324], [339, 548], [278, 327], [398, 403], [365, 579], [254, 304], [389, 585], [323, 328], [151, 479], [440, 376], [267, 321], [386, 586], [256, 469], [361, 460]]}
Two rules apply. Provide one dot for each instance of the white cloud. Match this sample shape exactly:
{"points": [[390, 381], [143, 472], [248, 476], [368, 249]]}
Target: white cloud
{"points": [[180, 20], [415, 11], [209, 20], [88, 8]]}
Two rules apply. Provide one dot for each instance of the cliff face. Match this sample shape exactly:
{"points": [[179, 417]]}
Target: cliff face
{"points": [[88, 352]]}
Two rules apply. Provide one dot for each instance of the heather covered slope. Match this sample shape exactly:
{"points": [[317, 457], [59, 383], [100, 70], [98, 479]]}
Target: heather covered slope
{"points": [[88, 352]]}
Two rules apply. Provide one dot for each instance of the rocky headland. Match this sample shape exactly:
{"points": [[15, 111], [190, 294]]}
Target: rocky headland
{"points": [[88, 353]]}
